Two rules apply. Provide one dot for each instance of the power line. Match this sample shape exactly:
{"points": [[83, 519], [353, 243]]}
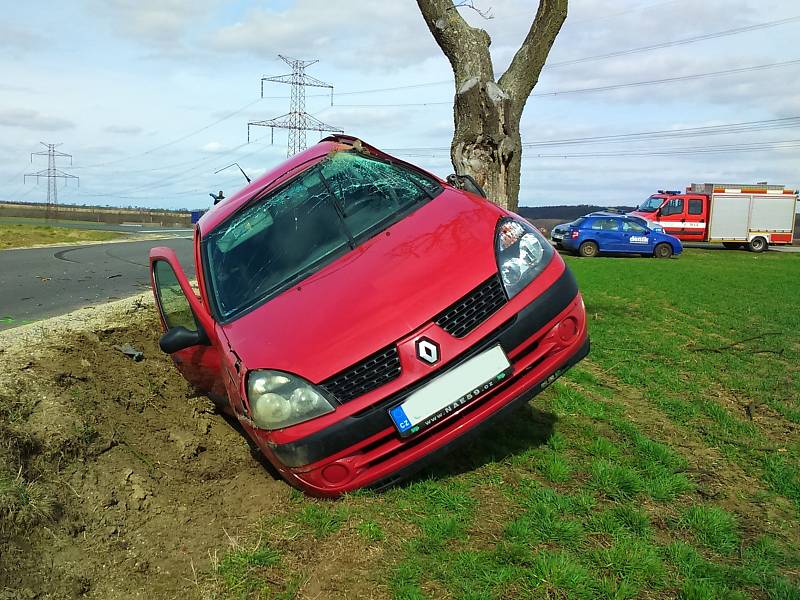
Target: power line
{"points": [[554, 65], [449, 81], [696, 131], [606, 88], [175, 141], [704, 130], [670, 44], [176, 178], [722, 148]]}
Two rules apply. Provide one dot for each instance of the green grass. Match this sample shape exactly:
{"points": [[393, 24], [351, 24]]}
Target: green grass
{"points": [[20, 236], [639, 474]]}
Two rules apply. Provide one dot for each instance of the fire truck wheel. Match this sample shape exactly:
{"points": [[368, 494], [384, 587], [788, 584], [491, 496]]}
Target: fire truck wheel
{"points": [[757, 244], [588, 249], [663, 251]]}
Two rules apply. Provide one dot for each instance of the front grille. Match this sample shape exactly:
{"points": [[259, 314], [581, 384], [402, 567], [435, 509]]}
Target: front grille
{"points": [[365, 376], [473, 309]]}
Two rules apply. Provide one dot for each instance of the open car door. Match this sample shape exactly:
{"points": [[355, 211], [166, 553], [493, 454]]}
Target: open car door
{"points": [[197, 357]]}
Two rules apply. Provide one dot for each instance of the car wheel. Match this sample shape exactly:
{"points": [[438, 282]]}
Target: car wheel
{"points": [[588, 249], [663, 251], [757, 244], [732, 245]]}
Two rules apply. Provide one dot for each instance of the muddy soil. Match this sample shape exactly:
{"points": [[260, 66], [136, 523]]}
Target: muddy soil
{"points": [[145, 484]]}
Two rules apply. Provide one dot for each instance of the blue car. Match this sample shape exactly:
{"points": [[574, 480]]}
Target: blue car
{"points": [[617, 234]]}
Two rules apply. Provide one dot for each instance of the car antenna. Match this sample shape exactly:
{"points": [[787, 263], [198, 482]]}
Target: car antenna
{"points": [[237, 165]]}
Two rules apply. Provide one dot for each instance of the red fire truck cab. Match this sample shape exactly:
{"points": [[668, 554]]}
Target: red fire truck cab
{"points": [[735, 215]]}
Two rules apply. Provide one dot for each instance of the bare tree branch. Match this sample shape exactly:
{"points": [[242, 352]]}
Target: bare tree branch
{"points": [[486, 113], [485, 13], [523, 72], [460, 42]]}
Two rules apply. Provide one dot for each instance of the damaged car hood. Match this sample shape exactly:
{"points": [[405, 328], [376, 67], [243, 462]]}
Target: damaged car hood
{"points": [[375, 294]]}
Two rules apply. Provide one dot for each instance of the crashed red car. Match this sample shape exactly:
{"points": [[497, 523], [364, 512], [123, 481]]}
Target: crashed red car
{"points": [[359, 315]]}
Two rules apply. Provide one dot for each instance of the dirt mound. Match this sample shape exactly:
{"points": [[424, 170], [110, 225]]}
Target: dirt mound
{"points": [[116, 479]]}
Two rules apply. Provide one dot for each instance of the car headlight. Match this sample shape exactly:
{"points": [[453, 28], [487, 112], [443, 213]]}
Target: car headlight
{"points": [[279, 399], [522, 253]]}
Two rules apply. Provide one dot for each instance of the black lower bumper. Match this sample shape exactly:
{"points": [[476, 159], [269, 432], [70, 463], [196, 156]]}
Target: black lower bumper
{"points": [[523, 397], [509, 335]]}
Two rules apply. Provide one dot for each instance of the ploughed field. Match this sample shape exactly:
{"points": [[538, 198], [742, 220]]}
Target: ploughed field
{"points": [[666, 464]]}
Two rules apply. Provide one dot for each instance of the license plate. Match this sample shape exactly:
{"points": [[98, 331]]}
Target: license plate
{"points": [[450, 391], [557, 237]]}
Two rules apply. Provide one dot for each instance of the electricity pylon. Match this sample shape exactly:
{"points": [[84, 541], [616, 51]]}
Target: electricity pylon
{"points": [[52, 173], [297, 120]]}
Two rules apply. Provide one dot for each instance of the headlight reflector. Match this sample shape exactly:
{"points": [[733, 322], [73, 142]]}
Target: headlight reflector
{"points": [[279, 400], [521, 252]]}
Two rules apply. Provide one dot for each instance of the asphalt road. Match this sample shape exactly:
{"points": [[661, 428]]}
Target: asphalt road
{"points": [[43, 282]]}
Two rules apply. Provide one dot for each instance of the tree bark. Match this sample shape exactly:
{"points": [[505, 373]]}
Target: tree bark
{"points": [[486, 142]]}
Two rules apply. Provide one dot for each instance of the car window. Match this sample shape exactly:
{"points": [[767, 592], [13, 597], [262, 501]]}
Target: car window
{"points": [[695, 206], [310, 221], [171, 299], [606, 224], [632, 226], [673, 207]]}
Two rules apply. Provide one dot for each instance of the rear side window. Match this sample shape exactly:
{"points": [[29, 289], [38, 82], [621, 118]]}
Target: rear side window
{"points": [[695, 207], [632, 227], [605, 225]]}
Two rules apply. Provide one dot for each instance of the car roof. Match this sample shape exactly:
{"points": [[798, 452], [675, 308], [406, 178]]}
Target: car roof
{"points": [[606, 214]]}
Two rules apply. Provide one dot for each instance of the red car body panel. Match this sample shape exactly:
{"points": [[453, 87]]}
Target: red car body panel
{"points": [[396, 281], [386, 291]]}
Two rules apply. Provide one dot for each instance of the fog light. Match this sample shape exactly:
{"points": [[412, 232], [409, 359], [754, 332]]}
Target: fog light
{"points": [[336, 473], [568, 329]]}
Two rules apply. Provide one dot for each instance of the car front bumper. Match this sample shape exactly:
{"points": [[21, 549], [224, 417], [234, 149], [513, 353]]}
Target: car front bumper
{"points": [[542, 341]]}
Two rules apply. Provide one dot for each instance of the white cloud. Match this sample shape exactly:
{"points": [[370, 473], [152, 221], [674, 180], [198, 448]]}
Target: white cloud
{"points": [[353, 35], [162, 21], [124, 129], [213, 147], [31, 119]]}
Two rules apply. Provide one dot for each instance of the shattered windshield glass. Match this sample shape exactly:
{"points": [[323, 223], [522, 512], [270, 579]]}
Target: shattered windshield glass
{"points": [[309, 222]]}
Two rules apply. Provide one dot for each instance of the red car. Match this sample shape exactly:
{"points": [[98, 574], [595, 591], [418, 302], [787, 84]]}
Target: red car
{"points": [[359, 315]]}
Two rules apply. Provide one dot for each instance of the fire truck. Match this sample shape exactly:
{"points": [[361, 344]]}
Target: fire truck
{"points": [[755, 216]]}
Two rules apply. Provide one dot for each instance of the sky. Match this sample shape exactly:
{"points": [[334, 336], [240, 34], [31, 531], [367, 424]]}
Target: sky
{"points": [[151, 97]]}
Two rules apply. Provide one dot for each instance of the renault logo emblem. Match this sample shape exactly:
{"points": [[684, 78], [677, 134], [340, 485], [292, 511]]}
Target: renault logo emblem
{"points": [[428, 351]]}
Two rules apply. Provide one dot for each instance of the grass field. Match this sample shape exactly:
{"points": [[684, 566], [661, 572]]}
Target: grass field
{"points": [[665, 465], [22, 235]]}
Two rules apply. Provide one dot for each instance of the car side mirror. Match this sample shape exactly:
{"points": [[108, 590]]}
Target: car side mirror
{"points": [[658, 213], [180, 338], [466, 183]]}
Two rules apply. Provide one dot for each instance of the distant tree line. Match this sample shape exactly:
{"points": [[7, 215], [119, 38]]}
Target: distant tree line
{"points": [[565, 212]]}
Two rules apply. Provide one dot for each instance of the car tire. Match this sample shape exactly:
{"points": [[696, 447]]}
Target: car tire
{"points": [[732, 245], [663, 251], [588, 249], [757, 244]]}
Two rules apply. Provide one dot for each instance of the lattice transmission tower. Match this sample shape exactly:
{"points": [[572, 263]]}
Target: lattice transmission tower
{"points": [[297, 120], [52, 173]]}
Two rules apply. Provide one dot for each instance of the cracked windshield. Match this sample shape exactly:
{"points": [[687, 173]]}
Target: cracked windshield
{"points": [[318, 216]]}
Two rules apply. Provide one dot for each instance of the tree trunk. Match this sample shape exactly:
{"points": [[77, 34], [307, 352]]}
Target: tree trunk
{"points": [[486, 142]]}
